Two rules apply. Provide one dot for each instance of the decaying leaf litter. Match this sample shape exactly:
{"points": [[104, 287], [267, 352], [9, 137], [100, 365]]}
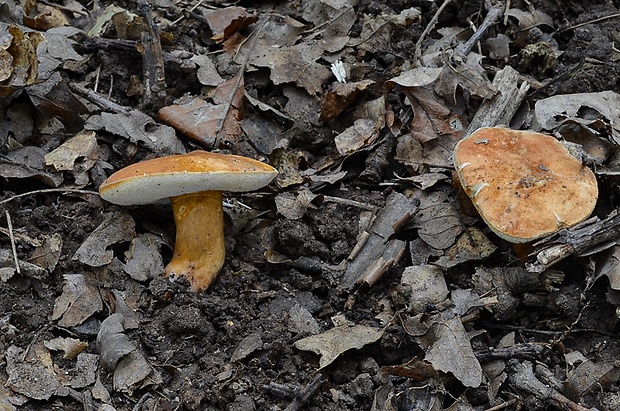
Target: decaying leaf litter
{"points": [[357, 277]]}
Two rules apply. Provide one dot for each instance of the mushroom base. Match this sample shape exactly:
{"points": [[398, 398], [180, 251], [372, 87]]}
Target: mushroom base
{"points": [[199, 251]]}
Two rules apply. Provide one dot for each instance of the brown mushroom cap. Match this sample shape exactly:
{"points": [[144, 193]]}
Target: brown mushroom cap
{"points": [[524, 184], [153, 180]]}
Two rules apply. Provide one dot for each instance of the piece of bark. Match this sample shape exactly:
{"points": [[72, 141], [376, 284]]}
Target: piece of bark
{"points": [[586, 238], [376, 252], [502, 107]]}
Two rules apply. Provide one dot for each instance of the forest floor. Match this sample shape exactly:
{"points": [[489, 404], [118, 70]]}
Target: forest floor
{"points": [[360, 278]]}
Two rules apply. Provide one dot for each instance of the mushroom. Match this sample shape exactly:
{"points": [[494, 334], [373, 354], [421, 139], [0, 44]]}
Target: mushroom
{"points": [[524, 184], [194, 183]]}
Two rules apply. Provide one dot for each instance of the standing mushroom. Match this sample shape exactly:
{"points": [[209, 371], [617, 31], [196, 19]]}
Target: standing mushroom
{"points": [[525, 185], [194, 183]]}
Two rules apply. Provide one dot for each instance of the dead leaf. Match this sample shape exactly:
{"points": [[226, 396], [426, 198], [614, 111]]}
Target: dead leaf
{"points": [[335, 18], [287, 162], [361, 134], [296, 64], [530, 18], [294, 207], [598, 111], [7, 267], [30, 374], [610, 267], [28, 162], [437, 220], [447, 340], [435, 126], [47, 255], [54, 98], [331, 344], [425, 180], [207, 73], [340, 97], [116, 227], [228, 20], [204, 122], [417, 77], [301, 321], [120, 355], [428, 286], [143, 258], [70, 346], [138, 128], [469, 75], [377, 29], [471, 245], [82, 145], [79, 300], [44, 17], [246, 347]]}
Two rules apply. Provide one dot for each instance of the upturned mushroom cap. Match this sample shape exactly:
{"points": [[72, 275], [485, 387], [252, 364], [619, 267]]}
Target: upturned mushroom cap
{"points": [[525, 185], [153, 180]]}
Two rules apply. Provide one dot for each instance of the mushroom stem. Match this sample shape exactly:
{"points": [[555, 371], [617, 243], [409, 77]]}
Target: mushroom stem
{"points": [[199, 251]]}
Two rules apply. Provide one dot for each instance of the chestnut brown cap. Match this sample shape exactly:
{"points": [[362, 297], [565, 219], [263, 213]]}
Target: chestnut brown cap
{"points": [[524, 184], [153, 180]]}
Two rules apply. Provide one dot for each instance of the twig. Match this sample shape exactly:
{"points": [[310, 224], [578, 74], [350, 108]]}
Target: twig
{"points": [[304, 394], [585, 23], [23, 238], [48, 190], [502, 405], [491, 18], [194, 7], [9, 224], [346, 201], [152, 61], [98, 99], [430, 26]]}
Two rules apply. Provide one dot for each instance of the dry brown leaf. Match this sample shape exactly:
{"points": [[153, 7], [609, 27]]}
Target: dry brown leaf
{"points": [[47, 255], [79, 300], [205, 122], [435, 126], [54, 98], [28, 162], [30, 374], [116, 227], [468, 75], [64, 157], [294, 207], [428, 286], [44, 18], [138, 128], [340, 97], [143, 258], [447, 340], [437, 220], [226, 21], [361, 134], [331, 344], [471, 245], [70, 346], [296, 64], [119, 354], [597, 111]]}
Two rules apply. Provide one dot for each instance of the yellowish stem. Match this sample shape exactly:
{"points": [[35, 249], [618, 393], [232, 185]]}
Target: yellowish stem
{"points": [[199, 251]]}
